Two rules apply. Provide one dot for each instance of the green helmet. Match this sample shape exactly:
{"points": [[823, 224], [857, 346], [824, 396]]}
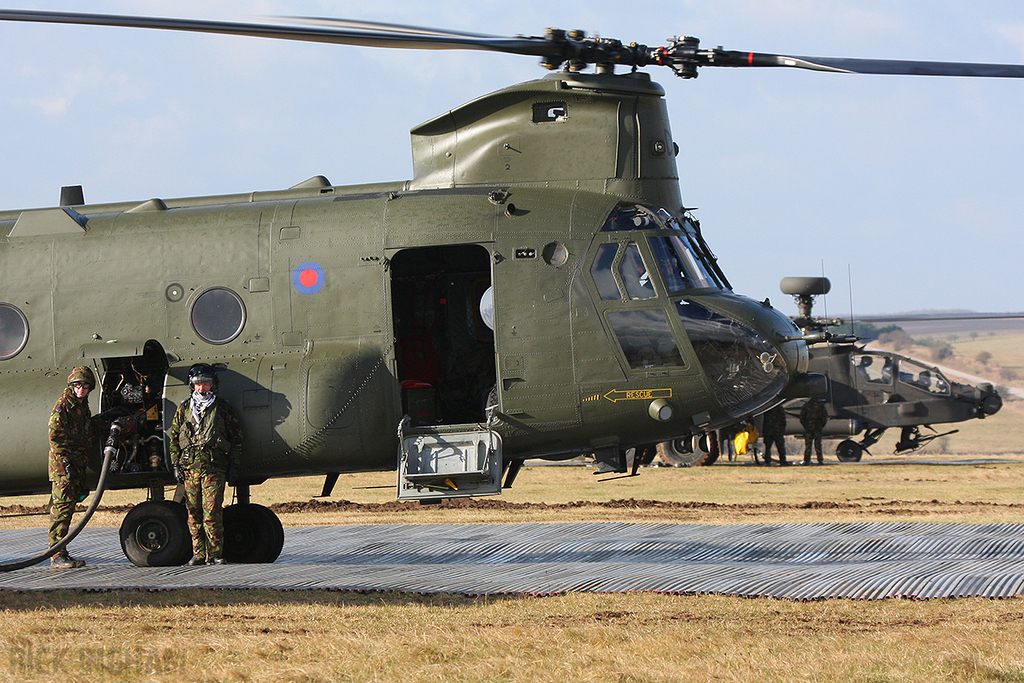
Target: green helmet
{"points": [[82, 374], [203, 372]]}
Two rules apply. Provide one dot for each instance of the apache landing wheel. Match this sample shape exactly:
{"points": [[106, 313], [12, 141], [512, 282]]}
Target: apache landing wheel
{"points": [[252, 534], [155, 534], [849, 451]]}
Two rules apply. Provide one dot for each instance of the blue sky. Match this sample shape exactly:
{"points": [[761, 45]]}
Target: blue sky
{"points": [[907, 188]]}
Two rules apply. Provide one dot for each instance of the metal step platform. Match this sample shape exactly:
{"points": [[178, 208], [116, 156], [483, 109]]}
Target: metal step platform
{"points": [[789, 561]]}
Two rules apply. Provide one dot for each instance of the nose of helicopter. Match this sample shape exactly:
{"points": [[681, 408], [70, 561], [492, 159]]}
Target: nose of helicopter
{"points": [[750, 352]]}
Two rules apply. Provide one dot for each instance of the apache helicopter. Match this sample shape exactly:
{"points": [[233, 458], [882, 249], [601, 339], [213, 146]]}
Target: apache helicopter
{"points": [[872, 391], [869, 391], [535, 290]]}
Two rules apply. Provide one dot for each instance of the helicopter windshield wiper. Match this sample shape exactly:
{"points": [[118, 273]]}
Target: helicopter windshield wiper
{"points": [[572, 50]]}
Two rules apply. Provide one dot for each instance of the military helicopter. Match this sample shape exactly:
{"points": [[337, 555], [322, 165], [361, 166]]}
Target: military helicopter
{"points": [[872, 391], [869, 391], [536, 290]]}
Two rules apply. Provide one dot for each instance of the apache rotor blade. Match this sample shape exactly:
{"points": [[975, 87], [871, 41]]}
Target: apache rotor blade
{"points": [[864, 66], [938, 317]]}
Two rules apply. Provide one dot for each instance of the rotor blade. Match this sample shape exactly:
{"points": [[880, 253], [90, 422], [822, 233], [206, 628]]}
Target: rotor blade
{"points": [[390, 28], [423, 41], [557, 47], [720, 57], [938, 317]]}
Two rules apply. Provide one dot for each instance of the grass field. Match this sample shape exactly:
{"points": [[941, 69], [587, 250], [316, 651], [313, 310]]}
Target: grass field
{"points": [[1005, 366], [1007, 351], [235, 636], [326, 636], [974, 476]]}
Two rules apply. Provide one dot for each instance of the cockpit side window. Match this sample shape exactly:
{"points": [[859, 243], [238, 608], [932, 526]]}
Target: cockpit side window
{"points": [[645, 338], [634, 274], [679, 266], [922, 377], [684, 258], [601, 271], [872, 369]]}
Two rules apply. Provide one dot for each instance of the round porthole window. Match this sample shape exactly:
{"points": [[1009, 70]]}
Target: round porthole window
{"points": [[555, 254], [13, 331], [218, 315]]}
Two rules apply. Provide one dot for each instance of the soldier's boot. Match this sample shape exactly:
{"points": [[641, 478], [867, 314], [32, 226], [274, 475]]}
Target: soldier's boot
{"points": [[64, 561], [218, 560], [197, 561]]}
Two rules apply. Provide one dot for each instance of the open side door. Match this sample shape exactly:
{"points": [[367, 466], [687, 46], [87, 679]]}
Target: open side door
{"points": [[448, 461]]}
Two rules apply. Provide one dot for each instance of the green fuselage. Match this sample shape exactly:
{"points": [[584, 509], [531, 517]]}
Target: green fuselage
{"points": [[337, 310]]}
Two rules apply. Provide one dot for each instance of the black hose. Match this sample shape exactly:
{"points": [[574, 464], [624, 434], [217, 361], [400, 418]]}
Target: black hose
{"points": [[108, 453]]}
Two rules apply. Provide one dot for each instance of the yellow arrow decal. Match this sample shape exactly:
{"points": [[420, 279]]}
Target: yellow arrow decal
{"points": [[616, 395]]}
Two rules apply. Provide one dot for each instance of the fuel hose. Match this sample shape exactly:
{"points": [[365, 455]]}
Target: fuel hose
{"points": [[108, 454]]}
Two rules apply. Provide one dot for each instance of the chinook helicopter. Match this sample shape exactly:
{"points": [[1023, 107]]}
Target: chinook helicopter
{"points": [[536, 290], [869, 391]]}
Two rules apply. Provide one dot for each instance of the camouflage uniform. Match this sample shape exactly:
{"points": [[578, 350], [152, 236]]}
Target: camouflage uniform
{"points": [[204, 452], [813, 418], [74, 435], [773, 431]]}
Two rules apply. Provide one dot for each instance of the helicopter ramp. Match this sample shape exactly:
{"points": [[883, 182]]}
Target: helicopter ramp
{"points": [[790, 561]]}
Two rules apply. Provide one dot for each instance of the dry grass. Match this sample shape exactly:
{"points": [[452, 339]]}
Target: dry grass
{"points": [[244, 636], [327, 636], [729, 493], [902, 488], [1006, 348]]}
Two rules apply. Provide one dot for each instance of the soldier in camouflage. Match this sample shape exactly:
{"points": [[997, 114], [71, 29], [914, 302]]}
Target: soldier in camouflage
{"points": [[205, 448], [773, 431], [813, 418], [74, 434]]}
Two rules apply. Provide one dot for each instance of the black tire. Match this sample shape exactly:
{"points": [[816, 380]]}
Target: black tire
{"points": [[708, 442], [252, 534], [683, 452], [155, 534], [849, 451]]}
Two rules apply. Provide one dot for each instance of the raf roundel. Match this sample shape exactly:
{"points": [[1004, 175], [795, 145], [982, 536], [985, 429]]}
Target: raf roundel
{"points": [[308, 278]]}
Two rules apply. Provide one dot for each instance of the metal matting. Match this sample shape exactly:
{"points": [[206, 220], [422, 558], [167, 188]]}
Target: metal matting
{"points": [[868, 560]]}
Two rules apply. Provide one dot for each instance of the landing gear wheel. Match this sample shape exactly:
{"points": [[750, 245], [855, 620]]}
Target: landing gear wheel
{"points": [[849, 451], [688, 451], [708, 443], [155, 534], [252, 534]]}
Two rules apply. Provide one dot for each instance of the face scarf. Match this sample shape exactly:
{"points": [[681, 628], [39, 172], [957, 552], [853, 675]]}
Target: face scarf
{"points": [[200, 402]]}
